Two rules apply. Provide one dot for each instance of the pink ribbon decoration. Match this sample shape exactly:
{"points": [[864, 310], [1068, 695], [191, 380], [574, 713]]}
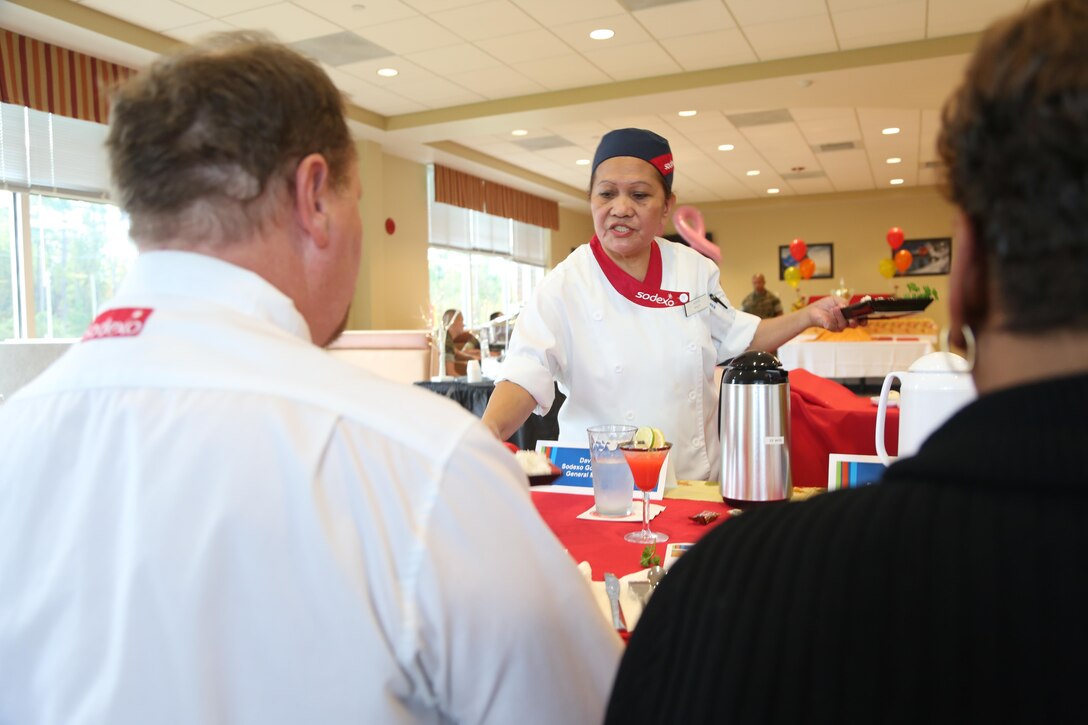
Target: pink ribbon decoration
{"points": [[689, 222]]}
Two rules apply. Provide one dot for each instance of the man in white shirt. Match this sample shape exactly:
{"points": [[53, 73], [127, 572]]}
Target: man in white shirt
{"points": [[206, 518]]}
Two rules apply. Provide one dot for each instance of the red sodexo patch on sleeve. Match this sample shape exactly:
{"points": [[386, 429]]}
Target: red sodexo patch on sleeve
{"points": [[119, 322]]}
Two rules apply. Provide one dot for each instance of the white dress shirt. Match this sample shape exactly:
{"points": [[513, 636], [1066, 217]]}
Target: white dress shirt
{"points": [[204, 518], [619, 362]]}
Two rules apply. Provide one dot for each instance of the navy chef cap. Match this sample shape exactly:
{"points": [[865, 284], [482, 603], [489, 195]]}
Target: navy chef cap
{"points": [[641, 144]]}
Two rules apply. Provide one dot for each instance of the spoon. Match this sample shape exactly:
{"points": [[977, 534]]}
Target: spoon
{"points": [[655, 574]]}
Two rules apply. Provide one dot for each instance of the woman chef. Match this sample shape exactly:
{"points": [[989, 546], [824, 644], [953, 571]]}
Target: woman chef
{"points": [[630, 326]]}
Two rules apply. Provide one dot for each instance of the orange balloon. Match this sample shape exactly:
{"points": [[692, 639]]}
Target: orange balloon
{"points": [[903, 258], [895, 237], [807, 267]]}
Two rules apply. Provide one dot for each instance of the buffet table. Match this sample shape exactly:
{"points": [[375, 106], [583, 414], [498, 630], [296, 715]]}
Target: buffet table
{"points": [[873, 358]]}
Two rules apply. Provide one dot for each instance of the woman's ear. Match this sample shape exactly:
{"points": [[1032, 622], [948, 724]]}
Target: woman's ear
{"points": [[311, 187], [968, 298]]}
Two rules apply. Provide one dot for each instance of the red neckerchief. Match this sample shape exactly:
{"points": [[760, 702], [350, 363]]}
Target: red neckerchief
{"points": [[648, 292]]}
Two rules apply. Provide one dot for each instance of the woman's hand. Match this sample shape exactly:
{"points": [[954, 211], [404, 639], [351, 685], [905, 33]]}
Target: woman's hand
{"points": [[826, 312]]}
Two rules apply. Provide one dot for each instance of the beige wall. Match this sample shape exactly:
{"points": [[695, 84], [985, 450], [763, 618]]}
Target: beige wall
{"points": [[749, 234], [393, 281]]}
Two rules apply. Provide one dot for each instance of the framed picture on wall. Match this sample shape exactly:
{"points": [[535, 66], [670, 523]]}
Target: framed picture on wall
{"points": [[928, 256], [822, 254]]}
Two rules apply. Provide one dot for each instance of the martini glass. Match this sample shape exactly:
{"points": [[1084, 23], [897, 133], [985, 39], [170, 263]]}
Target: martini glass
{"points": [[645, 466]]}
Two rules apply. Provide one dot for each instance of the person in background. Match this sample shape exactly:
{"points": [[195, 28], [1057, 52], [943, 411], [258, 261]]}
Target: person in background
{"points": [[760, 302], [498, 332], [461, 345], [206, 518], [954, 589], [631, 326]]}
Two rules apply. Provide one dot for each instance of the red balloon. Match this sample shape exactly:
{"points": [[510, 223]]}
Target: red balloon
{"points": [[895, 237], [798, 249], [807, 267], [903, 258]]}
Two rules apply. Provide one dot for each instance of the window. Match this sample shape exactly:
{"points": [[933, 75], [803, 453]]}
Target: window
{"points": [[482, 264], [63, 249]]}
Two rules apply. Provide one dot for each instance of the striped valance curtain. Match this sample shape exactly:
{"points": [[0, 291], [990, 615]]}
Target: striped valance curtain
{"points": [[55, 80], [470, 192]]}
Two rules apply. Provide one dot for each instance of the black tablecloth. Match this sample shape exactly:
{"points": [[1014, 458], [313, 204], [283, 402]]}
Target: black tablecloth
{"points": [[473, 397]]}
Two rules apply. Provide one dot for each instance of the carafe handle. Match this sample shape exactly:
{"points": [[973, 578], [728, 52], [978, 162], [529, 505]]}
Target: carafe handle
{"points": [[881, 414]]}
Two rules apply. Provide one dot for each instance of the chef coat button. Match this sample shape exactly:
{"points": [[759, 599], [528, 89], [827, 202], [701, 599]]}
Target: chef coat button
{"points": [[630, 415], [691, 395], [696, 442], [692, 346], [598, 316], [619, 369]]}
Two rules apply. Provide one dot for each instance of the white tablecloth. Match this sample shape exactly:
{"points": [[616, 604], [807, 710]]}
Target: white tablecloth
{"points": [[871, 359]]}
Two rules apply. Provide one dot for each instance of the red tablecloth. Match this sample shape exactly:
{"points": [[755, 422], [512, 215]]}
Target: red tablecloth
{"points": [[825, 417], [601, 543]]}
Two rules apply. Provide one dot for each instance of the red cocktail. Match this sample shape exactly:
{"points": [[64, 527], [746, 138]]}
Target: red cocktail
{"points": [[645, 466]]}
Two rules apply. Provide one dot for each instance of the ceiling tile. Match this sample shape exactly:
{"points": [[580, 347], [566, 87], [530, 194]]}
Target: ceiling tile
{"points": [[453, 59], [827, 125], [497, 82], [847, 170], [352, 14], [628, 32], [558, 12], [949, 17], [367, 70], [158, 15], [710, 50], [894, 23], [437, 93], [821, 185], [213, 8], [341, 48], [757, 12], [685, 18], [793, 37], [286, 21], [628, 62], [485, 20], [411, 35], [564, 72], [519, 47], [434, 6], [192, 33]]}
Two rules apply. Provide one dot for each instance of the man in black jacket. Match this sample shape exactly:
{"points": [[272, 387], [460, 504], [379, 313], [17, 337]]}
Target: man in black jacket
{"points": [[953, 590]]}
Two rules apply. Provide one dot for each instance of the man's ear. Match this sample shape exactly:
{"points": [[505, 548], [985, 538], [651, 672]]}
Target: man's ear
{"points": [[968, 298], [311, 189]]}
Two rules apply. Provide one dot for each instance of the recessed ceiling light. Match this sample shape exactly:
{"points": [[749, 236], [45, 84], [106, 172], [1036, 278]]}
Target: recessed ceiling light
{"points": [[890, 131], [772, 190], [387, 72], [754, 172], [582, 162], [519, 132], [602, 34], [686, 114], [726, 147], [896, 182], [895, 160]]}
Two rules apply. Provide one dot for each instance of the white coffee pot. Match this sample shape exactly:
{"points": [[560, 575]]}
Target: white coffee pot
{"points": [[933, 388]]}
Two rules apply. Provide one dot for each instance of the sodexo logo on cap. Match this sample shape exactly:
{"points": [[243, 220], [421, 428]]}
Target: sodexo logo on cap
{"points": [[641, 144]]}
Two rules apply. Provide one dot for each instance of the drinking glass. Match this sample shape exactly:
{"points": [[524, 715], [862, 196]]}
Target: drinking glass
{"points": [[645, 466]]}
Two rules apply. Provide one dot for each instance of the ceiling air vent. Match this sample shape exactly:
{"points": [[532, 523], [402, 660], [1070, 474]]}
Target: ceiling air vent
{"points": [[930, 165], [796, 175], [543, 142], [760, 118], [340, 49], [823, 148]]}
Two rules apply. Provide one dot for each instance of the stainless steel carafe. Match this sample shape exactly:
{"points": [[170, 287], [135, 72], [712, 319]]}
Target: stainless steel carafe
{"points": [[754, 426]]}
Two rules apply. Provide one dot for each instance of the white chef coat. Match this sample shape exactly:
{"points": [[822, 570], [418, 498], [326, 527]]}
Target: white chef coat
{"points": [[619, 362], [213, 520]]}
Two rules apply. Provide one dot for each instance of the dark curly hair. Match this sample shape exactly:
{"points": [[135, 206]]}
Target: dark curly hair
{"points": [[1015, 147], [204, 144]]}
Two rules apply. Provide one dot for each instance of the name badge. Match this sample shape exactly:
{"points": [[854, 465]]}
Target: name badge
{"points": [[697, 305]]}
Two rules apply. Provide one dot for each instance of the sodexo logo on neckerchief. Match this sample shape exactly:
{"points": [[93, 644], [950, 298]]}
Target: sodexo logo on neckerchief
{"points": [[648, 292]]}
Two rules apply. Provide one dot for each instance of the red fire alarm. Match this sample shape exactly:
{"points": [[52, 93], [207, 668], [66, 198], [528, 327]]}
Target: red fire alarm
{"points": [[390, 226]]}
